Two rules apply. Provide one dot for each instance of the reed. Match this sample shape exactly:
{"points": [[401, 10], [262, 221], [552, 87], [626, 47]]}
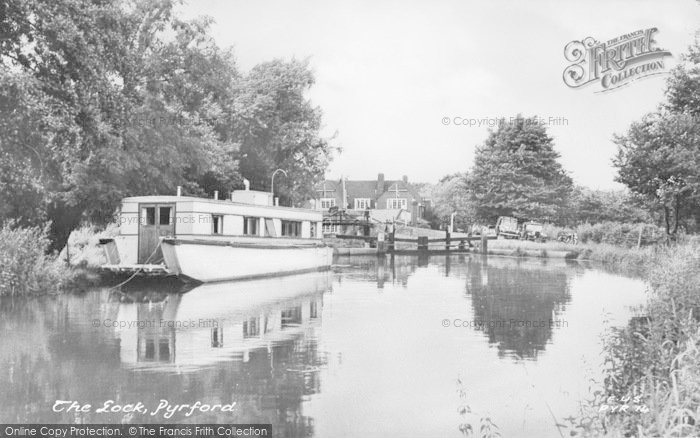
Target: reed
{"points": [[655, 359]]}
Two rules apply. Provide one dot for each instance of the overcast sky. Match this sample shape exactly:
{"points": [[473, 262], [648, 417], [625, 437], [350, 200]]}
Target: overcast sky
{"points": [[387, 72]]}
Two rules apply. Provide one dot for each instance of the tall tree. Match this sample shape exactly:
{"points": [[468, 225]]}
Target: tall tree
{"points": [[279, 128], [108, 99], [659, 158], [517, 173], [127, 99]]}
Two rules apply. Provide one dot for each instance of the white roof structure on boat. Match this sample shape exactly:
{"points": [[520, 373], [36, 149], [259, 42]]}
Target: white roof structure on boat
{"points": [[190, 203]]}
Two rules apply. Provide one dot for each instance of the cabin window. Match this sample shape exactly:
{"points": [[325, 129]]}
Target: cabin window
{"points": [[362, 203], [291, 228], [148, 215], [396, 203], [250, 226], [164, 217], [217, 224], [270, 230], [164, 350], [150, 352], [313, 310], [327, 203]]}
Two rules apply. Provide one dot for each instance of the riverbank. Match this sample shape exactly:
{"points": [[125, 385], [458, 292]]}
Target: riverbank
{"points": [[653, 364], [607, 254]]}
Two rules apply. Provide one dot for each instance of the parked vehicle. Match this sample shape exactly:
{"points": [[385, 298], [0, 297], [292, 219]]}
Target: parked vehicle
{"points": [[533, 231], [490, 231], [507, 227]]}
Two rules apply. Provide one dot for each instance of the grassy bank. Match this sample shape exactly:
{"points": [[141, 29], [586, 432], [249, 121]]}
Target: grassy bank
{"points": [[608, 254], [653, 364]]}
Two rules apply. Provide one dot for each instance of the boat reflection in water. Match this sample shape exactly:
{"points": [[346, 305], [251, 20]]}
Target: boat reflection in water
{"points": [[219, 321]]}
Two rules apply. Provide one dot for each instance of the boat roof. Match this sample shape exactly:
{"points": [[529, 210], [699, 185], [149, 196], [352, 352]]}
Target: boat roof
{"points": [[174, 199]]}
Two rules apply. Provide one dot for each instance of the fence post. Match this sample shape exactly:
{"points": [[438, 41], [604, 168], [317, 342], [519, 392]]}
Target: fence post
{"points": [[639, 240]]}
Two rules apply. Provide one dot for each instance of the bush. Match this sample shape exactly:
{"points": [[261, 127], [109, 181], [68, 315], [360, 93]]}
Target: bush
{"points": [[620, 234], [25, 266]]}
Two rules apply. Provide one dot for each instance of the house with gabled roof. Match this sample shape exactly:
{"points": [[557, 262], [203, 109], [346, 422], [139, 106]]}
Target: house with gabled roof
{"points": [[396, 198]]}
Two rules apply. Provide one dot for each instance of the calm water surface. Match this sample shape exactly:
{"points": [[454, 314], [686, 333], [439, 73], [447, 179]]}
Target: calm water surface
{"points": [[374, 348]]}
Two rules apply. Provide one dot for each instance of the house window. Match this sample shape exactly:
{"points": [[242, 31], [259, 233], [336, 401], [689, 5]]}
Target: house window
{"points": [[217, 224], [250, 226], [217, 337], [327, 203], [330, 228], [396, 203], [251, 328], [291, 228], [362, 203], [291, 316]]}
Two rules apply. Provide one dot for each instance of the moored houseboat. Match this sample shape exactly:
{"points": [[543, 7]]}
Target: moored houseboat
{"points": [[203, 240]]}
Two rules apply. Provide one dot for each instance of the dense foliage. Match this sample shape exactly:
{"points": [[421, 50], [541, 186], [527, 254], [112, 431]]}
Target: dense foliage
{"points": [[102, 100], [516, 173], [450, 195], [659, 156], [24, 265]]}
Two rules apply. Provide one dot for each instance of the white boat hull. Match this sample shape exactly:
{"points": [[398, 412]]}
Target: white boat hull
{"points": [[208, 261]]}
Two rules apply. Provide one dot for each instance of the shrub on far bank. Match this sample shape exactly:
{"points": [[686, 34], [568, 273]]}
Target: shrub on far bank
{"points": [[620, 234], [25, 266]]}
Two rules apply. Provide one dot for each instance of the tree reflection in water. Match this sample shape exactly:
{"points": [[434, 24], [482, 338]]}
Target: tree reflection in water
{"points": [[517, 303]]}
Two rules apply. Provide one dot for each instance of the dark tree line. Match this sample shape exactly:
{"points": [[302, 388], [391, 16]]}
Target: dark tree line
{"points": [[659, 156], [101, 100]]}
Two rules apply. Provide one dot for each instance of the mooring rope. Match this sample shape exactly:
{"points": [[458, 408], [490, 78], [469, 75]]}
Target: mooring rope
{"points": [[137, 271]]}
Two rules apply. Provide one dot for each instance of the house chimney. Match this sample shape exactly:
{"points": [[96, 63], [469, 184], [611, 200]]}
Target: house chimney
{"points": [[405, 179], [246, 183], [380, 183], [179, 190], [216, 195]]}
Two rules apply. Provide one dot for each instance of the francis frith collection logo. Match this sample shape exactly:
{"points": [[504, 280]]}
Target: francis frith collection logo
{"points": [[616, 62]]}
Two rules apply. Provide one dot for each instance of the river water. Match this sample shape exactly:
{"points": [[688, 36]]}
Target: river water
{"points": [[386, 348]]}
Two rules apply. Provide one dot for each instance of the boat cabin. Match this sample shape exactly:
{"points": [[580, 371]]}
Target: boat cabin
{"points": [[248, 216]]}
